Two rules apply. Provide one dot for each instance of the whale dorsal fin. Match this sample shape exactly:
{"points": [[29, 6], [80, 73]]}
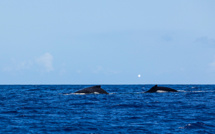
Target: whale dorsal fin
{"points": [[153, 89]]}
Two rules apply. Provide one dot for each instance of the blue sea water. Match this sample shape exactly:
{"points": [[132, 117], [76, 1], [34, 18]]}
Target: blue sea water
{"points": [[54, 109]]}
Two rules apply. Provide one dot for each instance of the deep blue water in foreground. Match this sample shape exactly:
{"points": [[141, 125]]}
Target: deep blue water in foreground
{"points": [[53, 109]]}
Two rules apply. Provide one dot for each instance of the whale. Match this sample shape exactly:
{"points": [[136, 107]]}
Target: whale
{"points": [[196, 125], [156, 88], [92, 90]]}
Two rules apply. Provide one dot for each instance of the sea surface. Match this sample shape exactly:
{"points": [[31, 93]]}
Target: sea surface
{"points": [[50, 109]]}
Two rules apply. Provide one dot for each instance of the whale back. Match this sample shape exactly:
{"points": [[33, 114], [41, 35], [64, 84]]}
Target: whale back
{"points": [[156, 88], [166, 89], [93, 89]]}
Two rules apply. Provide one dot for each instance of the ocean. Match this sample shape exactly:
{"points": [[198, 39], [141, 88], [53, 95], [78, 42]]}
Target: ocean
{"points": [[50, 109]]}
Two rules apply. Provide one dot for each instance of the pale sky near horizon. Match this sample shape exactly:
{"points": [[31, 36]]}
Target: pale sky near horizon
{"points": [[107, 42]]}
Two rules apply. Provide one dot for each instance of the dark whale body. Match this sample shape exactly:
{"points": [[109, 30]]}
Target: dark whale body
{"points": [[164, 89], [91, 90], [196, 125]]}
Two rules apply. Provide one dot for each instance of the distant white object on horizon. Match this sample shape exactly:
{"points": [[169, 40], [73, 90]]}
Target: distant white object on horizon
{"points": [[139, 75]]}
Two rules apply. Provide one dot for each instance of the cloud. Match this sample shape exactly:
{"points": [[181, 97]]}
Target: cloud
{"points": [[102, 70], [15, 65], [212, 64], [167, 38], [24, 65], [205, 41], [46, 61], [98, 69]]}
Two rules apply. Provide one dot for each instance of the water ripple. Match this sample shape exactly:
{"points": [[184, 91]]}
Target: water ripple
{"points": [[54, 109]]}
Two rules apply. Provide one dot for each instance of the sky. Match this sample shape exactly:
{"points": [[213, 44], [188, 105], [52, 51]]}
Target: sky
{"points": [[107, 42]]}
